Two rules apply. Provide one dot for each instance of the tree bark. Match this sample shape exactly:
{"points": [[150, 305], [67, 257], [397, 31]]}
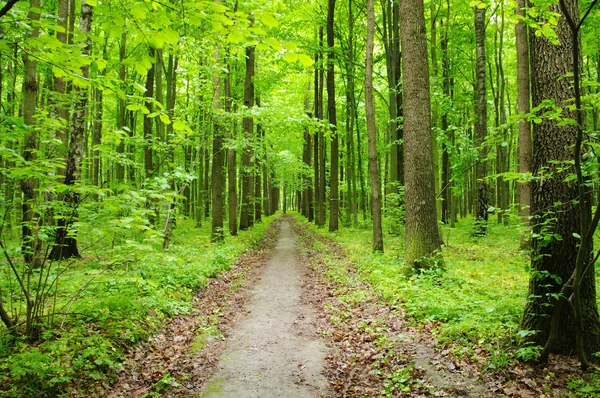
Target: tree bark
{"points": [[422, 235], [555, 207], [31, 244], [66, 243], [334, 196], [481, 125], [525, 150], [217, 154], [246, 216], [372, 131]]}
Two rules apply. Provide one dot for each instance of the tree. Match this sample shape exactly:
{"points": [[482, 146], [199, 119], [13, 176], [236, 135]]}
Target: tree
{"points": [[334, 196], [372, 131], [524, 188], [30, 216], [66, 243], [247, 216], [562, 264], [481, 122], [422, 242], [217, 153]]}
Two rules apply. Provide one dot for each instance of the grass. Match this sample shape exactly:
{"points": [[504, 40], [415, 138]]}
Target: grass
{"points": [[116, 296], [478, 297]]}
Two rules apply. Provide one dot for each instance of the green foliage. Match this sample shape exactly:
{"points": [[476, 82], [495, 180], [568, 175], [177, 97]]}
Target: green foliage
{"points": [[477, 298], [109, 304]]}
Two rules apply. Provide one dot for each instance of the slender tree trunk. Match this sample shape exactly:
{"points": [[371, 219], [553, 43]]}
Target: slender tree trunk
{"points": [[322, 142], [66, 243], [148, 138], [246, 218], [217, 154], [446, 171], [31, 244], [422, 234], [231, 158], [372, 131], [525, 150], [481, 125], [334, 196], [317, 157], [257, 213]]}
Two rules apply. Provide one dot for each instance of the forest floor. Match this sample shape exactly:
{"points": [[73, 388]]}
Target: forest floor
{"points": [[285, 322]]}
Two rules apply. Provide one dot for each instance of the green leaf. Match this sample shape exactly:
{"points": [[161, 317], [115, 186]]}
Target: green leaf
{"points": [[92, 3], [306, 60], [269, 20], [290, 57], [140, 69], [235, 37]]}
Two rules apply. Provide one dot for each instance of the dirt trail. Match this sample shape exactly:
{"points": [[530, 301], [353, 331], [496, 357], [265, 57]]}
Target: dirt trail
{"points": [[274, 350]]}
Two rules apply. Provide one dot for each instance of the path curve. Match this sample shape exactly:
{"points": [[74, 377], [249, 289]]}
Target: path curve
{"points": [[274, 350]]}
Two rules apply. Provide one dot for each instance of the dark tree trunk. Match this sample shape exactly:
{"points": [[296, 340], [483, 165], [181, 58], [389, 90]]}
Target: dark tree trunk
{"points": [[422, 234], [553, 207], [446, 172], [334, 196]]}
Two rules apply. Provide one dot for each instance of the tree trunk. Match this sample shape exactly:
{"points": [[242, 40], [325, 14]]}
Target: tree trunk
{"points": [[231, 159], [372, 131], [66, 243], [246, 218], [257, 202], [217, 154], [422, 234], [31, 244], [334, 196], [481, 125], [446, 171], [322, 142], [553, 207], [525, 150]]}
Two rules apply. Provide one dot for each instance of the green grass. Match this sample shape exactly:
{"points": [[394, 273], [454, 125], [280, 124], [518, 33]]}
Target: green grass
{"points": [[478, 297], [131, 287]]}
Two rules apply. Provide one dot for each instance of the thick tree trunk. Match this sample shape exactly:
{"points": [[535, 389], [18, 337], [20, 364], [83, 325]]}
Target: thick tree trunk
{"points": [[422, 234], [372, 131], [247, 216], [66, 243], [481, 125], [553, 207], [525, 150]]}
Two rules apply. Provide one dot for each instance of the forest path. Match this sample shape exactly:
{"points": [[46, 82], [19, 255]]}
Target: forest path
{"points": [[274, 351]]}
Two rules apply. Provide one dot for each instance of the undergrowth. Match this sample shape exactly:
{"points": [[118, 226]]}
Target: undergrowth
{"points": [[473, 305], [114, 297]]}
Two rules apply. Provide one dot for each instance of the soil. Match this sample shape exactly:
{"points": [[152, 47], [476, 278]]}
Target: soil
{"points": [[274, 350]]}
